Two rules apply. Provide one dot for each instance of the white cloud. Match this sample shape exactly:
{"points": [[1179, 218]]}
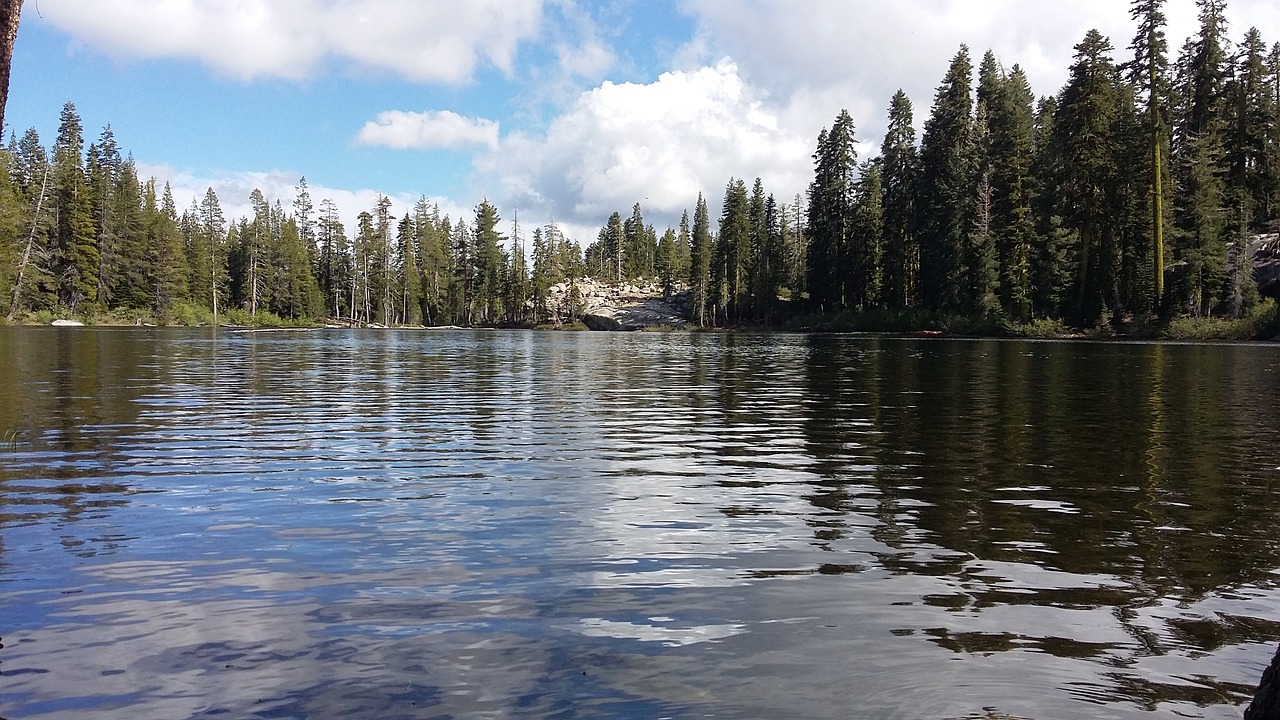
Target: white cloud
{"points": [[658, 144], [822, 55], [401, 130], [428, 40]]}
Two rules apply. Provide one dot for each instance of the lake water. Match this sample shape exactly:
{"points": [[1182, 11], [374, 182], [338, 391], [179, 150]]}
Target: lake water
{"points": [[387, 524]]}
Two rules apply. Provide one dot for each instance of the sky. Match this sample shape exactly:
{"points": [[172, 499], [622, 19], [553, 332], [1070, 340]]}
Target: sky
{"points": [[554, 110]]}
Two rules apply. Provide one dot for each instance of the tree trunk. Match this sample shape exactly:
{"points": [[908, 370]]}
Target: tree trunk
{"points": [[10, 13]]}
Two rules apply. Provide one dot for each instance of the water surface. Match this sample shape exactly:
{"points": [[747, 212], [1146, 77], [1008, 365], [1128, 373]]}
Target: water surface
{"points": [[337, 524]]}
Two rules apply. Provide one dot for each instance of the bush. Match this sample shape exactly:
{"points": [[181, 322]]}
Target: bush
{"points": [[1262, 323], [1043, 328], [191, 315]]}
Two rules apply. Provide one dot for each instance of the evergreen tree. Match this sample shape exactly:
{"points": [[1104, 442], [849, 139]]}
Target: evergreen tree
{"points": [[667, 262], [166, 274], [1247, 118], [831, 202], [899, 165], [1200, 164], [335, 281], [1011, 145], [730, 273], [540, 281], [981, 274], [128, 285], [210, 242], [304, 216], [433, 256], [364, 260], [866, 241], [1085, 137], [700, 261], [489, 264], [946, 187], [770, 260], [517, 290], [408, 273], [462, 287], [1149, 74], [33, 284], [682, 257], [77, 244]]}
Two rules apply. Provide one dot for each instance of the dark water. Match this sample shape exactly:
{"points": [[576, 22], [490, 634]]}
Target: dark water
{"points": [[416, 524]]}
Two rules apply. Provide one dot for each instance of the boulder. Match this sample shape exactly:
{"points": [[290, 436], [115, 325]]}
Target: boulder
{"points": [[601, 322], [1266, 701]]}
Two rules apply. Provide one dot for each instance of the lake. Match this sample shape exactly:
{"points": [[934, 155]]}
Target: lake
{"points": [[412, 524]]}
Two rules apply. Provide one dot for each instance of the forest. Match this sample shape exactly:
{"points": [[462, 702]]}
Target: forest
{"points": [[1130, 196]]}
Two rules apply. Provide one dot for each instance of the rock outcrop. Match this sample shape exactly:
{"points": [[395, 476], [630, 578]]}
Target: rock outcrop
{"points": [[1266, 701], [1266, 263], [619, 306]]}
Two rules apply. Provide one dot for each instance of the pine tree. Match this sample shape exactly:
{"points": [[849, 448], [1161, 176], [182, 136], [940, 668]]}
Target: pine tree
{"points": [[462, 286], [167, 273], [211, 234], [899, 166], [517, 291], [102, 174], [335, 258], [433, 256], [1085, 137], [981, 274], [540, 281], [1248, 113], [128, 286], [76, 240], [770, 260], [1200, 164], [1149, 74], [831, 202], [304, 216], [364, 260], [866, 241], [667, 262], [1011, 124], [700, 261], [946, 188], [489, 264], [730, 283]]}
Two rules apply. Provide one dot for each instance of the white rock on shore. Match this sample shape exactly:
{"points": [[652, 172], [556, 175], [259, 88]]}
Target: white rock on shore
{"points": [[619, 306]]}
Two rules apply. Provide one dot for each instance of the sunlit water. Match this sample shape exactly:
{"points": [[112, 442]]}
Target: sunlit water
{"points": [[341, 524]]}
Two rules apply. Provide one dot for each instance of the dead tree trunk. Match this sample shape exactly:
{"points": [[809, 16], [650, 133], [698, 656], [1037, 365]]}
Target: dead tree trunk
{"points": [[10, 13], [26, 253]]}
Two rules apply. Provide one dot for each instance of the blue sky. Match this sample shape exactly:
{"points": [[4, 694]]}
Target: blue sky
{"points": [[562, 110]]}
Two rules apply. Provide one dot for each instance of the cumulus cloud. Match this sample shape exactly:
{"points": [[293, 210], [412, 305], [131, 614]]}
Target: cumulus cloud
{"points": [[827, 54], [402, 130], [659, 144], [427, 40]]}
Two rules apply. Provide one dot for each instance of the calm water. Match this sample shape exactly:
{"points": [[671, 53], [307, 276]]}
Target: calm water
{"points": [[338, 524]]}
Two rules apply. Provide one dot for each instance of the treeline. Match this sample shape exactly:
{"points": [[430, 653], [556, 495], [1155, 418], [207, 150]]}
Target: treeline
{"points": [[81, 235], [1131, 193]]}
